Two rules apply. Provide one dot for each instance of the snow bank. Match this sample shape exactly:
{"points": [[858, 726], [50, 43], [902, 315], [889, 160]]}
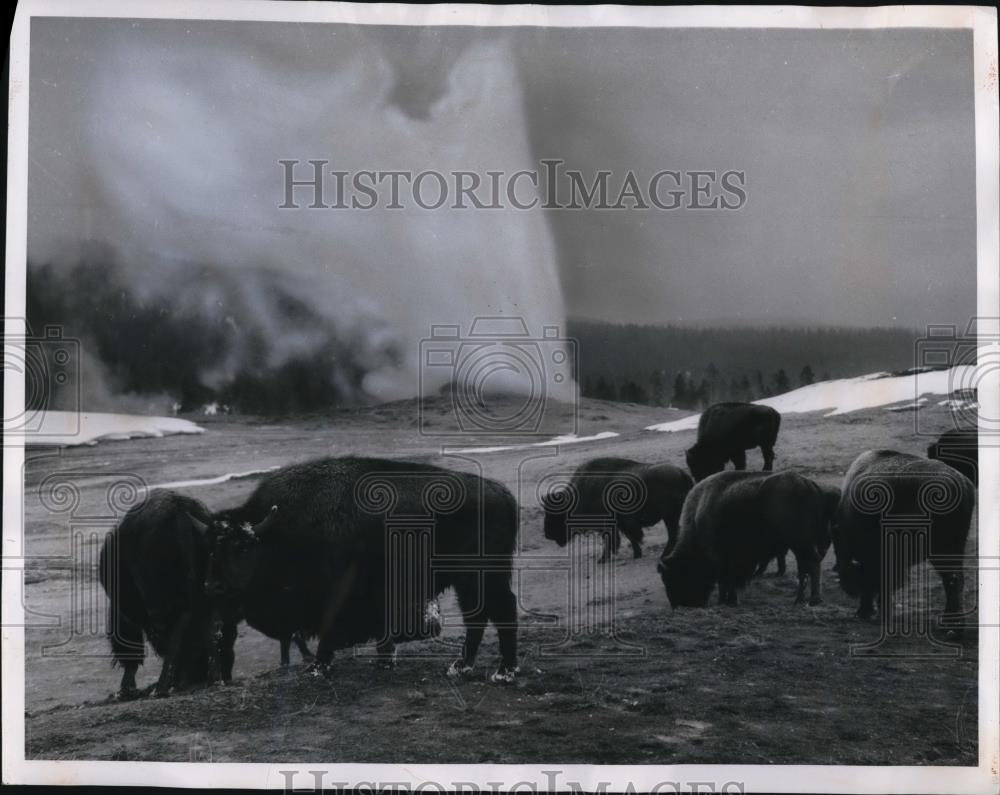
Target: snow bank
{"points": [[854, 394], [685, 424], [70, 428], [870, 391], [558, 440]]}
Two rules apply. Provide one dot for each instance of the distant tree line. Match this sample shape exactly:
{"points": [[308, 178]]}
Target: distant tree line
{"points": [[690, 368]]}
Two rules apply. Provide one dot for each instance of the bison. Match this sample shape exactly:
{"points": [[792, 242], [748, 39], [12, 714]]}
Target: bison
{"points": [[960, 450], [831, 495], [734, 521], [633, 494], [726, 431], [357, 549], [928, 497], [152, 567]]}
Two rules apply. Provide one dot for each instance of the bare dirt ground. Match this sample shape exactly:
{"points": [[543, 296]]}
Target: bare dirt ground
{"points": [[614, 677]]}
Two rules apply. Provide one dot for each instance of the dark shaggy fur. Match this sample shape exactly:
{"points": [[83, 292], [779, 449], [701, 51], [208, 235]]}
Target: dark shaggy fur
{"points": [[959, 450], [337, 561], [831, 499], [628, 493], [152, 567], [726, 431], [734, 521], [884, 484]]}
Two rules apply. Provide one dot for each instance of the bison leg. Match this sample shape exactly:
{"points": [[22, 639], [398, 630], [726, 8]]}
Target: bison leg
{"points": [[227, 656], [953, 582], [866, 609], [502, 605], [781, 563], [612, 540], [634, 536], [127, 649], [302, 646], [127, 689], [175, 645], [222, 637], [768, 453], [324, 655], [727, 594], [475, 619], [815, 583], [673, 529], [871, 585], [332, 610], [809, 567], [286, 645], [800, 593], [316, 668], [739, 459]]}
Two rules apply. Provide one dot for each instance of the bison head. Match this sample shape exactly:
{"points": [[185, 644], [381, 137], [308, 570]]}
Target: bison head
{"points": [[847, 568], [235, 552], [556, 506], [686, 585], [831, 508], [702, 462]]}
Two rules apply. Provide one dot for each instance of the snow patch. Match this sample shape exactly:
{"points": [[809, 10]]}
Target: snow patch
{"points": [[558, 440], [874, 390], [915, 405], [71, 428], [963, 405], [685, 424], [867, 392]]}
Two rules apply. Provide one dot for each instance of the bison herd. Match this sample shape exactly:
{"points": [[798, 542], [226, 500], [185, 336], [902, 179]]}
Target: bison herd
{"points": [[352, 550]]}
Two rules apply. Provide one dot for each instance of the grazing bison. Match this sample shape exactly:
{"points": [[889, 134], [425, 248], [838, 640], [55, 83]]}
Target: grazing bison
{"points": [[358, 549], [726, 431], [831, 496], [734, 521], [152, 567], [960, 450], [635, 495], [929, 497]]}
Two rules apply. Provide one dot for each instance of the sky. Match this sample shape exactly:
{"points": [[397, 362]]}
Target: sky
{"points": [[161, 139]]}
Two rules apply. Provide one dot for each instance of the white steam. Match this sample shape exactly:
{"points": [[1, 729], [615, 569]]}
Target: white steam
{"points": [[179, 144]]}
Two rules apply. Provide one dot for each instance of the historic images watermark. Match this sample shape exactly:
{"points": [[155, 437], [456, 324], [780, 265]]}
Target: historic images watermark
{"points": [[319, 780], [318, 185]]}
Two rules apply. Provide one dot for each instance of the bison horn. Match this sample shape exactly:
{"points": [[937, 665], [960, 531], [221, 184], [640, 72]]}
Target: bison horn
{"points": [[200, 527], [262, 526]]}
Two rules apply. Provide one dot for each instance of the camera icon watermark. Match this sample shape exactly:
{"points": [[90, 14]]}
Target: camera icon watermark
{"points": [[50, 366], [497, 380], [956, 361]]}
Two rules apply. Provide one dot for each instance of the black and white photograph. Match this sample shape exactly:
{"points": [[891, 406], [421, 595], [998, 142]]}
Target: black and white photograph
{"points": [[564, 398]]}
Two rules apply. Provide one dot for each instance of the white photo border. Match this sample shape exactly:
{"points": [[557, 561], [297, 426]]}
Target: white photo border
{"points": [[639, 778]]}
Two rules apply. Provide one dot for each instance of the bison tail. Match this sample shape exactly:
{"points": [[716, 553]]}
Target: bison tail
{"points": [[125, 636], [125, 612]]}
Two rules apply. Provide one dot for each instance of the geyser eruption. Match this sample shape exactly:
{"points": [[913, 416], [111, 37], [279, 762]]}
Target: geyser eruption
{"points": [[155, 233]]}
